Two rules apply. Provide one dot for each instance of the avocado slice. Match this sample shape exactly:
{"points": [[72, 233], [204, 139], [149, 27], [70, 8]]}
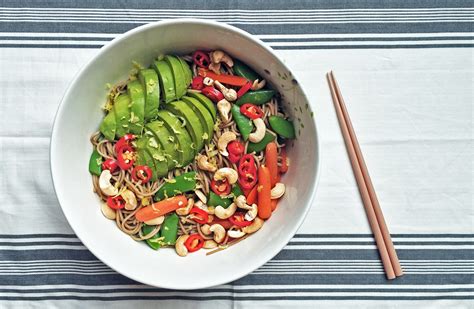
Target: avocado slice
{"points": [[203, 114], [167, 140], [136, 92], [149, 80], [122, 115], [193, 124], [144, 158], [166, 80], [204, 100], [179, 79], [108, 125], [156, 160], [183, 145], [187, 72]]}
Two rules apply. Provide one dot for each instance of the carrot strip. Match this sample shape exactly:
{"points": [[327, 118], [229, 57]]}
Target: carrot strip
{"points": [[161, 208], [284, 161], [271, 161], [264, 193], [274, 204], [252, 196], [233, 80]]}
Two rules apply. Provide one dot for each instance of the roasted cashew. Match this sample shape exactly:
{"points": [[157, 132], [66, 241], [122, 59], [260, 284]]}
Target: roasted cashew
{"points": [[104, 184], [224, 140], [229, 93], [205, 229], [255, 226], [183, 211], [130, 200], [257, 85], [209, 244], [204, 164], [224, 106], [215, 67], [108, 212], [226, 173], [278, 190], [259, 132], [251, 210], [208, 81], [201, 196], [219, 56], [224, 213], [241, 202], [251, 213], [235, 233], [219, 232], [181, 250], [156, 221]]}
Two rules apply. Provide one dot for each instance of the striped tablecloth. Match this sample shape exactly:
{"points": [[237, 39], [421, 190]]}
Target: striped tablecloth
{"points": [[406, 70]]}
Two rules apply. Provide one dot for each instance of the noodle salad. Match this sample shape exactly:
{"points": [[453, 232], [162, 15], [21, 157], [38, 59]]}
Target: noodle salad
{"points": [[190, 152]]}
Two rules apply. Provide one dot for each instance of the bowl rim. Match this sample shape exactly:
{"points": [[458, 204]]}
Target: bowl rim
{"points": [[52, 157]]}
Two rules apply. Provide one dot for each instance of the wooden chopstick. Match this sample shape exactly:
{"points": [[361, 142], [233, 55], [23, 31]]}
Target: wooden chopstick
{"points": [[379, 229]]}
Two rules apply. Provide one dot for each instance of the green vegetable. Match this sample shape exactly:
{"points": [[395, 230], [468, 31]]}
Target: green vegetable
{"points": [[204, 116], [178, 73], [244, 124], [155, 242], [236, 191], [262, 144], [243, 70], [166, 139], [192, 122], [149, 80], [95, 163], [258, 97], [166, 80], [122, 115], [187, 71], [169, 229], [215, 200], [282, 127], [204, 100], [136, 93], [107, 127], [180, 184]]}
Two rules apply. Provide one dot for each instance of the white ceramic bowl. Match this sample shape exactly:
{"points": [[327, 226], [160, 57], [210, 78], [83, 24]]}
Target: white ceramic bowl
{"points": [[80, 113]]}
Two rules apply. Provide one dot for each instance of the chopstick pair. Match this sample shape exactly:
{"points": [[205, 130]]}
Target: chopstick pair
{"points": [[374, 213]]}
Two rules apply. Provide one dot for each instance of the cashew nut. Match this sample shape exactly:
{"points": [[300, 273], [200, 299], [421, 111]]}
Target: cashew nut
{"points": [[224, 213], [104, 184], [215, 67], [226, 172], [208, 81], [156, 221], [130, 200], [259, 133], [209, 244], [183, 211], [235, 233], [201, 205], [278, 190], [219, 232], [229, 93], [201, 196], [181, 250], [257, 85], [252, 213], [204, 164], [241, 202], [205, 229], [224, 140], [218, 56], [108, 212], [255, 226], [224, 106]]}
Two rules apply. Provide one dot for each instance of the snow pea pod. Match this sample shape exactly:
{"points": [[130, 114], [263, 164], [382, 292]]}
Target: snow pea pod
{"points": [[244, 124], [95, 163], [258, 97], [154, 242], [215, 200], [243, 70], [262, 144], [179, 185], [169, 229], [282, 127]]}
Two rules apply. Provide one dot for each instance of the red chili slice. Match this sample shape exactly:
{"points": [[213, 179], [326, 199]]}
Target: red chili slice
{"points": [[142, 173], [244, 89], [221, 187], [251, 111], [194, 242], [111, 165], [125, 157], [248, 180], [247, 164], [201, 59], [124, 141], [116, 202], [235, 149], [199, 215], [239, 219], [197, 83], [226, 224], [213, 94]]}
